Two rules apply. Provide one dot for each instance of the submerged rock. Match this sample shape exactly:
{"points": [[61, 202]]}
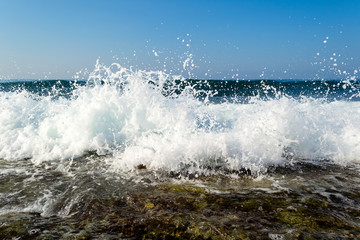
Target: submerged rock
{"points": [[272, 206]]}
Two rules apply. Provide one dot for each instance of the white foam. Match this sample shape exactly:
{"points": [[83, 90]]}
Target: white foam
{"points": [[134, 122]]}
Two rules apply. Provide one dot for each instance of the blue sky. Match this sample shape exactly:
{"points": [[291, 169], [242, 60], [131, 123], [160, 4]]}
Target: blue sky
{"points": [[225, 39]]}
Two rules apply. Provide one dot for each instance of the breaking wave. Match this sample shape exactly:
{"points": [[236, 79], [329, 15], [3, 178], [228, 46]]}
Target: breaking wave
{"points": [[169, 123]]}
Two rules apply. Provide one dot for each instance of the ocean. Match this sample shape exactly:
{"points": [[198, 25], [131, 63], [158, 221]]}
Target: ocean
{"points": [[145, 155]]}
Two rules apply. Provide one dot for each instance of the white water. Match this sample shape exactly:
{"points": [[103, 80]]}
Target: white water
{"points": [[134, 123]]}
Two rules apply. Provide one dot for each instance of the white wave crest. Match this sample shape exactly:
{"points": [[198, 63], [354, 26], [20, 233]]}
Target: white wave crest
{"points": [[124, 113]]}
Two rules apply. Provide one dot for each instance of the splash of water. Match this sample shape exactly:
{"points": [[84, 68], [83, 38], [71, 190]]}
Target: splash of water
{"points": [[158, 120]]}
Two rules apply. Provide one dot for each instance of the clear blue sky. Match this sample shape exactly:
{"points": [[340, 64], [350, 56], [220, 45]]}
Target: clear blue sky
{"points": [[250, 38]]}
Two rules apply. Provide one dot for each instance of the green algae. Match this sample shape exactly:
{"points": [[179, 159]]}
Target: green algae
{"points": [[191, 212], [275, 206], [185, 187]]}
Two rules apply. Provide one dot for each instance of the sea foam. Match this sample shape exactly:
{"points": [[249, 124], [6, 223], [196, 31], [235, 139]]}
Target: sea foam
{"points": [[134, 117]]}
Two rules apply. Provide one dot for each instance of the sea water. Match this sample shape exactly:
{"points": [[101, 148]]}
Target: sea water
{"points": [[74, 152]]}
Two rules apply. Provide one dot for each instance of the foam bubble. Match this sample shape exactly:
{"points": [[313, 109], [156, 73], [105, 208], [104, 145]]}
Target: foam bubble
{"points": [[130, 116]]}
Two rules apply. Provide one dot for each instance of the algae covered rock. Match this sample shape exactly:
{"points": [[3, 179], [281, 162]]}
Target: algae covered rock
{"points": [[274, 206]]}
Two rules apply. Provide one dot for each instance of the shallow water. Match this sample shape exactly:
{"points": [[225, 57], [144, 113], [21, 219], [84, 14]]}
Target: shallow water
{"points": [[302, 200]]}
